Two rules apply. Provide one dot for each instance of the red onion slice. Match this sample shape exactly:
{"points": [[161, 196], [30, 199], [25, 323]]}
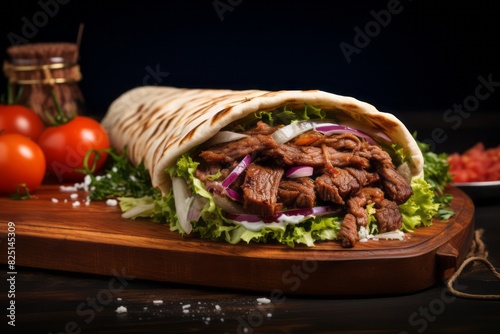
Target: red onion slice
{"points": [[243, 217], [299, 171], [237, 171], [234, 195], [196, 207], [330, 129], [375, 133]]}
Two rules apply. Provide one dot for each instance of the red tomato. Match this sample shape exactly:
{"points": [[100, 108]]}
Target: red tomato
{"points": [[65, 147], [21, 161], [19, 119]]}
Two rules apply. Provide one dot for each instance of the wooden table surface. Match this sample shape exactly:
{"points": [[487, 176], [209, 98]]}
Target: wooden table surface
{"points": [[48, 301]]}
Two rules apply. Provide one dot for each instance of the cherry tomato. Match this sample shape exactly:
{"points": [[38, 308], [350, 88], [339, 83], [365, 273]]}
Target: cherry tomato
{"points": [[21, 162], [16, 118], [66, 145]]}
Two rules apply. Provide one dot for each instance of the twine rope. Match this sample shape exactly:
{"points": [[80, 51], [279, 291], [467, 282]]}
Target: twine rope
{"points": [[72, 73], [477, 254]]}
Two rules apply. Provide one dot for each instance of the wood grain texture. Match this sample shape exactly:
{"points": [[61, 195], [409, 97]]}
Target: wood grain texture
{"points": [[95, 239]]}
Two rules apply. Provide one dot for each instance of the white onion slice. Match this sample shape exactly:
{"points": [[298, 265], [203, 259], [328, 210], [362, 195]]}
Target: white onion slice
{"points": [[182, 202], [237, 171], [291, 131], [299, 171], [330, 129], [225, 137], [391, 235]]}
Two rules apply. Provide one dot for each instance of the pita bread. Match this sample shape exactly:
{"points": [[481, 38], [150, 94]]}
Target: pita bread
{"points": [[158, 124]]}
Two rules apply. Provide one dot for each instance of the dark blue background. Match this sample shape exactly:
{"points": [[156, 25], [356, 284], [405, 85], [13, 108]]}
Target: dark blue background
{"points": [[425, 60]]}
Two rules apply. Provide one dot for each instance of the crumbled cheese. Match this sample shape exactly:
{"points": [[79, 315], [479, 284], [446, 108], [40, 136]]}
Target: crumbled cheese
{"points": [[111, 202], [269, 315], [186, 311], [264, 300], [133, 178], [392, 235], [118, 299], [186, 306], [54, 200], [217, 307], [121, 309], [157, 302], [114, 169], [67, 188], [364, 236], [76, 204], [87, 180], [73, 196]]}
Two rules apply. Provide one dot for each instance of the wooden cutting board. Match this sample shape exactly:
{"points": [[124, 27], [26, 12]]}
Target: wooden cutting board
{"points": [[95, 239]]}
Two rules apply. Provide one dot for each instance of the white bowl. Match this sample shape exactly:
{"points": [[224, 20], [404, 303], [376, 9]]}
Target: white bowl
{"points": [[480, 191]]}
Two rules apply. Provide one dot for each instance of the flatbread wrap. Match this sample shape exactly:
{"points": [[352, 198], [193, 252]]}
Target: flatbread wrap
{"points": [[293, 167]]}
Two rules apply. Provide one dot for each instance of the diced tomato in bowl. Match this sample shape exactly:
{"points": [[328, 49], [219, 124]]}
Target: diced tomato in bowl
{"points": [[477, 164]]}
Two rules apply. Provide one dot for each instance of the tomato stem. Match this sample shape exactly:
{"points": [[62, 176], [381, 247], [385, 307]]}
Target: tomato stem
{"points": [[60, 117], [98, 154], [22, 192], [9, 94], [18, 96]]}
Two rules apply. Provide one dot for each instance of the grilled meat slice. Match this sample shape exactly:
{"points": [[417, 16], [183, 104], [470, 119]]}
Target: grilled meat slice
{"points": [[260, 190]]}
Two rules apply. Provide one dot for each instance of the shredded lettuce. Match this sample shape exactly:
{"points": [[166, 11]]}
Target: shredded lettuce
{"points": [[284, 115]]}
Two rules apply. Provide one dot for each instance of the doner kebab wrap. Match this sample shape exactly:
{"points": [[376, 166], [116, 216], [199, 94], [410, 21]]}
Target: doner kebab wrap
{"points": [[293, 167]]}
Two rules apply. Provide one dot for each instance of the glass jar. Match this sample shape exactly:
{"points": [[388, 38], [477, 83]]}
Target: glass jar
{"points": [[46, 75]]}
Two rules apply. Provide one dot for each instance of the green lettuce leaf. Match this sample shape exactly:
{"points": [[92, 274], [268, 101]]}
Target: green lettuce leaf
{"points": [[420, 208]]}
